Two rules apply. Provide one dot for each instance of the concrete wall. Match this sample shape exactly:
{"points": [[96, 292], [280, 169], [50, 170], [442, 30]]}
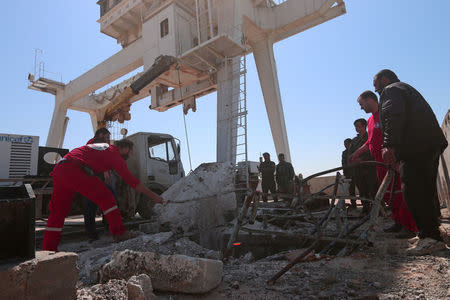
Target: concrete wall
{"points": [[316, 184]]}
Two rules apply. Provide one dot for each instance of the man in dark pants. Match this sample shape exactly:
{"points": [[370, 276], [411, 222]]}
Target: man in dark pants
{"points": [[285, 175], [365, 176], [102, 135], [267, 169], [412, 136], [348, 172]]}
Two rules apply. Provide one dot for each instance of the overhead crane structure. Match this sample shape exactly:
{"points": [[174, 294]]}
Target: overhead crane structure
{"points": [[208, 39]]}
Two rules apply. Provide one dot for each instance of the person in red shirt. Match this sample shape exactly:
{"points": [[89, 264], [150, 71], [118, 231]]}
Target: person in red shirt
{"points": [[75, 174], [400, 213]]}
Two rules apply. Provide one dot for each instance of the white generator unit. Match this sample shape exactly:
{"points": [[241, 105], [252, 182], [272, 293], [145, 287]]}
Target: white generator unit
{"points": [[18, 155]]}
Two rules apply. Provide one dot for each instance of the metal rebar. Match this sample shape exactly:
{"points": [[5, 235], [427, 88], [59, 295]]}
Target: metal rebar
{"points": [[394, 183], [294, 262], [345, 234], [238, 223], [299, 235]]}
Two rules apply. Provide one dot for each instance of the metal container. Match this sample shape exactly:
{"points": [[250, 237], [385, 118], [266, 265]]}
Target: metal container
{"points": [[17, 223]]}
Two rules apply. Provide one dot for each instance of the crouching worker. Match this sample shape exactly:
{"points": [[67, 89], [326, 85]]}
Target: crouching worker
{"points": [[75, 174]]}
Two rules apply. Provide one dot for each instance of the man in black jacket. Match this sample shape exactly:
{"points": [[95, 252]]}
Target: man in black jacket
{"points": [[285, 175], [412, 136], [267, 169]]}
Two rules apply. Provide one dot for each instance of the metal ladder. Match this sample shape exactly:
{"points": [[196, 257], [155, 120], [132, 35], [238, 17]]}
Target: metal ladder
{"points": [[239, 121]]}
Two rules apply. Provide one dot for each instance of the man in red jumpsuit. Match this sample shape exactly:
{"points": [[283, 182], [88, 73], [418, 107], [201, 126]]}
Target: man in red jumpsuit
{"points": [[400, 213], [75, 174]]}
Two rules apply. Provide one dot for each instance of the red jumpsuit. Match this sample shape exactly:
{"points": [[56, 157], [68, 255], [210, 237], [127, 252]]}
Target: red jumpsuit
{"points": [[69, 178], [400, 212]]}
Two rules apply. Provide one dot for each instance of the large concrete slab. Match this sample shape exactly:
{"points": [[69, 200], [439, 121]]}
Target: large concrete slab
{"points": [[172, 273]]}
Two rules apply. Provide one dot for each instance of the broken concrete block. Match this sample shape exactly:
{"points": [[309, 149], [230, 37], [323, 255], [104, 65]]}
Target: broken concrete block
{"points": [[172, 273], [203, 200], [152, 227], [140, 288], [90, 262], [48, 276]]}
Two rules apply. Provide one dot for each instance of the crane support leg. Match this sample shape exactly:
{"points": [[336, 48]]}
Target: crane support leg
{"points": [[227, 98], [58, 126], [268, 78]]}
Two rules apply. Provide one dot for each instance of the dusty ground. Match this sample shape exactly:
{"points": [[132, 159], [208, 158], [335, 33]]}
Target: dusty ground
{"points": [[380, 272]]}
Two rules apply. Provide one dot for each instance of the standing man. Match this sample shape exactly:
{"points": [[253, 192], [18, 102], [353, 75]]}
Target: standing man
{"points": [[102, 135], [413, 137], [267, 169], [365, 176], [285, 175], [75, 174], [348, 172], [403, 220]]}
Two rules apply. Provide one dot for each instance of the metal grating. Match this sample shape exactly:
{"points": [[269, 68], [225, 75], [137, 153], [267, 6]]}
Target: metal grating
{"points": [[20, 160]]}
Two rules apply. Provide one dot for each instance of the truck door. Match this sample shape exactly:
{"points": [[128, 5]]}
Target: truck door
{"points": [[162, 166]]}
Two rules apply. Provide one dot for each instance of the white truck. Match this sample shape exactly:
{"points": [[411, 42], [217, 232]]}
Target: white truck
{"points": [[156, 162]]}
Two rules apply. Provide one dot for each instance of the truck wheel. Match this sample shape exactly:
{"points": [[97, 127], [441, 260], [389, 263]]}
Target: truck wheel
{"points": [[145, 205]]}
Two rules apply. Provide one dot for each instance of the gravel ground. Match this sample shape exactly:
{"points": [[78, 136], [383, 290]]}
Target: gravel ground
{"points": [[379, 272]]}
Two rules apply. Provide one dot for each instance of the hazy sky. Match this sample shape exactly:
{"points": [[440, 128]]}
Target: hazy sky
{"points": [[321, 73]]}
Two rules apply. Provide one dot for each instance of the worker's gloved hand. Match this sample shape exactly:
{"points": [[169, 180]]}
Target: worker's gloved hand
{"points": [[388, 155], [158, 200], [157, 209]]}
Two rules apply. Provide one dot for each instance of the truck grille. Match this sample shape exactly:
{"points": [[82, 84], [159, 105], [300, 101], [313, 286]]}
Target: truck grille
{"points": [[20, 160]]}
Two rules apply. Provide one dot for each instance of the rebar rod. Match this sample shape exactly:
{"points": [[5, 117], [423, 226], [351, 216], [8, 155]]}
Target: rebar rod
{"points": [[369, 234], [238, 223], [294, 262], [299, 235], [394, 183], [345, 234]]}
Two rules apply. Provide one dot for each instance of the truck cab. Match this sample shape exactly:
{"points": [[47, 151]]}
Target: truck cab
{"points": [[156, 162]]}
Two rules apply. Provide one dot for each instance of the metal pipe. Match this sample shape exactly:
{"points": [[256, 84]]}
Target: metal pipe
{"points": [[210, 19], [349, 166], [198, 21], [298, 235]]}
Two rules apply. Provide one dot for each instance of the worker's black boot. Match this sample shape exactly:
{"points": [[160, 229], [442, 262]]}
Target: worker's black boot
{"points": [[394, 228]]}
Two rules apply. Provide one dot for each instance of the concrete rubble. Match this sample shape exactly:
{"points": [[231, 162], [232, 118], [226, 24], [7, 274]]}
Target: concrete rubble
{"points": [[91, 260], [200, 201], [112, 290], [140, 288], [177, 265], [49, 276], [173, 273]]}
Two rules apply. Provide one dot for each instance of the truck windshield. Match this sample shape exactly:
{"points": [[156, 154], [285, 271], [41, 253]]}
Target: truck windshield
{"points": [[161, 150]]}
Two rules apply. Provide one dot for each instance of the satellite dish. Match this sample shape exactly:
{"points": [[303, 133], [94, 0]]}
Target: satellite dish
{"points": [[123, 131]]}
